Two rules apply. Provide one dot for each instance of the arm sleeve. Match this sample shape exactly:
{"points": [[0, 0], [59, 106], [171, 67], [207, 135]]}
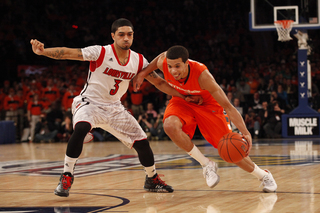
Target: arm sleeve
{"points": [[91, 53], [145, 63]]}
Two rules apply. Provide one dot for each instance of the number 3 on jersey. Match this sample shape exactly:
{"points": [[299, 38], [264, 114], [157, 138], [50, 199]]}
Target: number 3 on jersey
{"points": [[116, 85]]}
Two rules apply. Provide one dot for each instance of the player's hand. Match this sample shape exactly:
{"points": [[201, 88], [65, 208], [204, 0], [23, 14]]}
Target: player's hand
{"points": [[249, 140], [37, 46], [194, 99], [137, 81]]}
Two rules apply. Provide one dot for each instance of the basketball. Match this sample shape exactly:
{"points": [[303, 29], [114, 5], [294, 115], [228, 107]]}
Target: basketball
{"points": [[233, 147]]}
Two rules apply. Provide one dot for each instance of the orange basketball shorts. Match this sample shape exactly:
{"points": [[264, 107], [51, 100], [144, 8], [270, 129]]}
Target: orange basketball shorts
{"points": [[213, 123]]}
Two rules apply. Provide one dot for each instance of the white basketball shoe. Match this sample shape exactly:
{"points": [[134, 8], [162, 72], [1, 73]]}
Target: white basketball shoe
{"points": [[268, 183], [88, 138], [210, 174]]}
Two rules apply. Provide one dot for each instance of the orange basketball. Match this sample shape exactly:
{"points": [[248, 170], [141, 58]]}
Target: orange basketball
{"points": [[233, 147]]}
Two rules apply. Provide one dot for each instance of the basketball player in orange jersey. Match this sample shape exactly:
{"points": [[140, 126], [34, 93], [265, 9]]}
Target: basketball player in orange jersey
{"points": [[98, 105], [181, 118]]}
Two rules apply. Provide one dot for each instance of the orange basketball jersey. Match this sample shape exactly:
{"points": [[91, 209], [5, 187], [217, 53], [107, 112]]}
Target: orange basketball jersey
{"points": [[191, 85]]}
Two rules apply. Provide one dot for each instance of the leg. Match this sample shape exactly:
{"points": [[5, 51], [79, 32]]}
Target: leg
{"points": [[173, 128], [153, 183], [264, 176], [74, 150]]}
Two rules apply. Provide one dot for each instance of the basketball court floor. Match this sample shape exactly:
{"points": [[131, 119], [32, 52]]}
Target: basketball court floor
{"points": [[109, 178]]}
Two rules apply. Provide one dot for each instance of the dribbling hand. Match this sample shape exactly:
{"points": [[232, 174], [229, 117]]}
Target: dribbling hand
{"points": [[249, 140]]}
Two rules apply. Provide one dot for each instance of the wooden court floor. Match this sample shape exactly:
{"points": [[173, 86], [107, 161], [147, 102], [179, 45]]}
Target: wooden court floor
{"points": [[109, 178]]}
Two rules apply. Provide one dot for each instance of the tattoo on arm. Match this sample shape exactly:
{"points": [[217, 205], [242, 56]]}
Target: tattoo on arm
{"points": [[57, 54], [79, 53], [153, 74]]}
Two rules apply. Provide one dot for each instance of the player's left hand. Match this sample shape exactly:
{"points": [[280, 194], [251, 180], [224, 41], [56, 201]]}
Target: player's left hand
{"points": [[249, 140], [137, 81], [194, 99]]}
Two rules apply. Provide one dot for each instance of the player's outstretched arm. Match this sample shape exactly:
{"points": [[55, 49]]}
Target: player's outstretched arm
{"points": [[154, 65], [162, 85], [60, 53], [207, 82]]}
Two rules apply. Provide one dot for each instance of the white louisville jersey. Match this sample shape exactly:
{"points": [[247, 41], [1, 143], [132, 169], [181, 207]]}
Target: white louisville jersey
{"points": [[108, 80]]}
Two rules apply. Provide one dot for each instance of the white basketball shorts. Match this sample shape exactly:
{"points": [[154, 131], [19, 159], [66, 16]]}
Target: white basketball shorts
{"points": [[113, 118]]}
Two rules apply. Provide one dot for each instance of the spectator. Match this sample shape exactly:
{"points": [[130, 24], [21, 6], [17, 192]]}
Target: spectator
{"points": [[275, 97], [51, 92], [21, 111], [145, 124], [35, 108], [136, 100], [55, 116], [42, 132], [253, 83], [11, 104], [256, 103], [284, 97], [230, 97], [66, 129], [157, 130], [253, 123], [236, 104], [243, 87], [271, 86], [151, 113], [68, 97], [127, 106], [33, 90], [273, 125], [2, 111], [238, 94]]}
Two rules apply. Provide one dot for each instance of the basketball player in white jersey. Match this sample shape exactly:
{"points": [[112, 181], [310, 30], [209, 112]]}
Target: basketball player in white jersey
{"points": [[98, 105]]}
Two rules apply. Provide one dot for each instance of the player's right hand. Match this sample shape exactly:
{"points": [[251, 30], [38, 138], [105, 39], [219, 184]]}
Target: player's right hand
{"points": [[37, 46], [194, 99]]}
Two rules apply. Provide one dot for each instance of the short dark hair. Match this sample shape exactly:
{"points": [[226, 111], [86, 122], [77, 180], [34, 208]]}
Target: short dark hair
{"points": [[178, 51], [120, 23]]}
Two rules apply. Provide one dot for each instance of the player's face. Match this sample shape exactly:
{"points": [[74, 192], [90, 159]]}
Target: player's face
{"points": [[123, 37], [177, 68]]}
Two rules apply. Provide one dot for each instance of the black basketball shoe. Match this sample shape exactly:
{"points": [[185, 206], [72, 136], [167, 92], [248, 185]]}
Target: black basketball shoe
{"points": [[155, 184], [66, 180]]}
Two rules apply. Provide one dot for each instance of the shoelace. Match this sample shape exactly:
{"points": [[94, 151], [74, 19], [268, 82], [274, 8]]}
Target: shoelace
{"points": [[265, 181], [207, 169], [66, 182], [157, 180]]}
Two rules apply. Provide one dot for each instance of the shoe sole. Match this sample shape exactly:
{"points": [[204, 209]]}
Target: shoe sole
{"points": [[268, 191], [158, 190], [216, 183], [61, 194]]}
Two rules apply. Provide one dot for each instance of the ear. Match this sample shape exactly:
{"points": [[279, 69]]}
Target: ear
{"points": [[112, 35]]}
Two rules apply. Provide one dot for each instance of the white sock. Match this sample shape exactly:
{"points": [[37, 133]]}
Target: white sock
{"points": [[258, 173], [198, 156], [69, 164], [150, 170]]}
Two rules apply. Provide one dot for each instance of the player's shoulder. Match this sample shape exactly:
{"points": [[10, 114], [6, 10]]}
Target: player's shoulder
{"points": [[197, 65]]}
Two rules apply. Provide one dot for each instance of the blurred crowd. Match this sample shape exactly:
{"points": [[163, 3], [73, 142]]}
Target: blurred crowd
{"points": [[215, 33]]}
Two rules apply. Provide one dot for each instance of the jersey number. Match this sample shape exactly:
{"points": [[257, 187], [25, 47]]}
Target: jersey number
{"points": [[116, 85]]}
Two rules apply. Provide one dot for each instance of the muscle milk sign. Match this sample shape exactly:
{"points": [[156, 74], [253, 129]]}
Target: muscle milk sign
{"points": [[303, 126]]}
